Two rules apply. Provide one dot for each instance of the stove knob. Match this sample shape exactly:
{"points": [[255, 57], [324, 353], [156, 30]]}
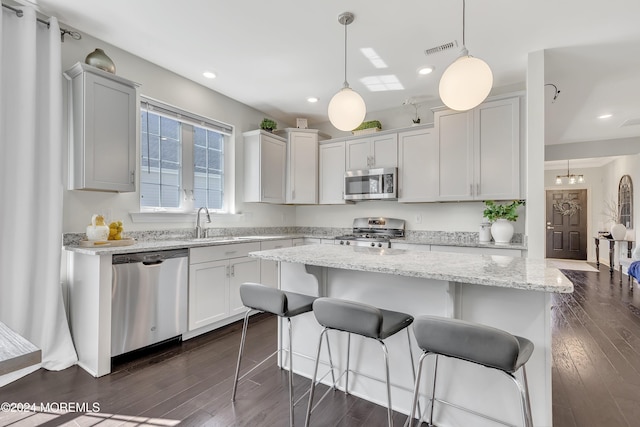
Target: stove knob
{"points": [[348, 242], [373, 245], [379, 245], [342, 242]]}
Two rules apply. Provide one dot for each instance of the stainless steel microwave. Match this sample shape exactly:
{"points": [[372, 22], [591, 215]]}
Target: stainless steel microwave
{"points": [[371, 184]]}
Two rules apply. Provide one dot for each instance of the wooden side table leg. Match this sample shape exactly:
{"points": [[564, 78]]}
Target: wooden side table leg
{"points": [[612, 249], [597, 253]]}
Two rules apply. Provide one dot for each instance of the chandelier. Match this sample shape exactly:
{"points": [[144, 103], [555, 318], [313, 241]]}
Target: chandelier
{"points": [[569, 177]]}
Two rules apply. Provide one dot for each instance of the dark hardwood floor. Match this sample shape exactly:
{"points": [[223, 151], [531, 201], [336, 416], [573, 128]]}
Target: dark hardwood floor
{"points": [[596, 375]]}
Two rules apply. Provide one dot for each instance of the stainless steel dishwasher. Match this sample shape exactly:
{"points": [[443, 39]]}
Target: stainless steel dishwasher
{"points": [[148, 298]]}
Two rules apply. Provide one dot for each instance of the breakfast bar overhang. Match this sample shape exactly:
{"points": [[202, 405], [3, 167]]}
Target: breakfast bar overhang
{"points": [[513, 294]]}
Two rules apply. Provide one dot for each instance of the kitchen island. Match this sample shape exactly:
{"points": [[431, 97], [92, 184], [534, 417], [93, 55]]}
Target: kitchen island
{"points": [[509, 293]]}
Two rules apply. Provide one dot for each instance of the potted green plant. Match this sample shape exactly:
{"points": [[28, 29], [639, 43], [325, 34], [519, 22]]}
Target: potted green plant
{"points": [[268, 125], [367, 127], [501, 217]]}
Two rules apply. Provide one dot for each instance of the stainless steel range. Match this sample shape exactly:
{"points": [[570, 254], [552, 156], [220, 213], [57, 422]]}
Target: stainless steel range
{"points": [[373, 232]]}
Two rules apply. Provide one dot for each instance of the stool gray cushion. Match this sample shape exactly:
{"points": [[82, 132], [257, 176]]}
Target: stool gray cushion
{"points": [[358, 318], [275, 301], [476, 343]]}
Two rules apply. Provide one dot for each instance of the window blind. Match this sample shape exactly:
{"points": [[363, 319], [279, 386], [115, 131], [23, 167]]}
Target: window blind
{"points": [[170, 111]]}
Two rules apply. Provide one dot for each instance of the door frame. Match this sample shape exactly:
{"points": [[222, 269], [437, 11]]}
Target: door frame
{"points": [[591, 248]]}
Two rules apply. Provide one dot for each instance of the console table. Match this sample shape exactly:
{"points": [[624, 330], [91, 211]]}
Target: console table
{"points": [[612, 246]]}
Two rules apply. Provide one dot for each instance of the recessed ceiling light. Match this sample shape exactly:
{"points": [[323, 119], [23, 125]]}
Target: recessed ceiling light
{"points": [[605, 116], [312, 99], [423, 71], [209, 74]]}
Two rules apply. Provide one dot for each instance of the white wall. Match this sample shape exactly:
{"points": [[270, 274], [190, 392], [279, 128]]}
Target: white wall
{"points": [[158, 83]]}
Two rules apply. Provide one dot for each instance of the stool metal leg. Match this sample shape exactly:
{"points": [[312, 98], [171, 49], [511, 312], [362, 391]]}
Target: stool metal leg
{"points": [[416, 390], [244, 335], [313, 379], [433, 391], [523, 388], [346, 381], [333, 375], [386, 363], [413, 370], [290, 373]]}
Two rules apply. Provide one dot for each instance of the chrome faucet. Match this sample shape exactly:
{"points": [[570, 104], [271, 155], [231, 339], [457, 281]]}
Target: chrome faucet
{"points": [[199, 228]]}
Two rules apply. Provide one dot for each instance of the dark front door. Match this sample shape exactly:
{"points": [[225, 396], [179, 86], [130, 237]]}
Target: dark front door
{"points": [[567, 224]]}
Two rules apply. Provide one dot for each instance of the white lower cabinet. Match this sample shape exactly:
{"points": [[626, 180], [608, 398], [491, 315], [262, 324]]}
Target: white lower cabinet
{"points": [[215, 276], [268, 268]]}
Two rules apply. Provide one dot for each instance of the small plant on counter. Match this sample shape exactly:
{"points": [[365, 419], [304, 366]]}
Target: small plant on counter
{"points": [[268, 124], [495, 211]]}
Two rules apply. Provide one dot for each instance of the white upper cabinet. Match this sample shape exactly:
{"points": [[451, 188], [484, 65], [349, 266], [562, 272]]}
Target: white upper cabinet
{"points": [[418, 166], [497, 141], [455, 143], [302, 166], [480, 151], [378, 151], [264, 167], [332, 168], [104, 113]]}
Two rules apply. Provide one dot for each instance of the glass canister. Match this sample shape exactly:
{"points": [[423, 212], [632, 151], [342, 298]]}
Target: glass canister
{"points": [[485, 232]]}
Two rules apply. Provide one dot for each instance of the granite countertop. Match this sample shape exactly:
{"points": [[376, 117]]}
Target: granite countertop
{"points": [[490, 270], [436, 241], [161, 245], [177, 239]]}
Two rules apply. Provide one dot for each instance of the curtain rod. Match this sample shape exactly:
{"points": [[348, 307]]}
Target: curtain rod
{"points": [[63, 31]]}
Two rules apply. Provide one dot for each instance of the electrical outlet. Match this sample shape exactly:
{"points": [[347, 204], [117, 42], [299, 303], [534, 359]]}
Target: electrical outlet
{"points": [[418, 218]]}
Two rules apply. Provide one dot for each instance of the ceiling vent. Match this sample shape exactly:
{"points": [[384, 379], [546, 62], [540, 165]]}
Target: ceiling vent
{"points": [[631, 122], [441, 48]]}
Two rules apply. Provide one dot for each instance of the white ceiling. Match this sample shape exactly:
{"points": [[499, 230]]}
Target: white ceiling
{"points": [[273, 55]]}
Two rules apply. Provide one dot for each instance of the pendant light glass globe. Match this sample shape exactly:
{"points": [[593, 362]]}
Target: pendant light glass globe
{"points": [[347, 109], [465, 83]]}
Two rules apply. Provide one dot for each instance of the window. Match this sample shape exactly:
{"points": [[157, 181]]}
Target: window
{"points": [[183, 160], [625, 201]]}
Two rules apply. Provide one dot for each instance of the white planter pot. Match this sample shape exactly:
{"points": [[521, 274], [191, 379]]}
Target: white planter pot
{"points": [[618, 231], [502, 231]]}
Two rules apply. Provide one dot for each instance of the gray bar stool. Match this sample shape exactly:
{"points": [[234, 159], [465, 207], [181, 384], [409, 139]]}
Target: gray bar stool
{"points": [[258, 297], [471, 342], [364, 320]]}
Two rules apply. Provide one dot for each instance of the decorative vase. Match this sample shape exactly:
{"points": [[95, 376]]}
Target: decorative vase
{"points": [[100, 60], [618, 231], [97, 230], [502, 231]]}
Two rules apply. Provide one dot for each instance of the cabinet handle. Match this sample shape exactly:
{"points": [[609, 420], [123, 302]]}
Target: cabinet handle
{"points": [[471, 189], [477, 189], [233, 271], [133, 177], [230, 252], [228, 275]]}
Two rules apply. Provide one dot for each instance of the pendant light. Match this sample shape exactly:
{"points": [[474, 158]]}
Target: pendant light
{"points": [[346, 108], [571, 178], [467, 81]]}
